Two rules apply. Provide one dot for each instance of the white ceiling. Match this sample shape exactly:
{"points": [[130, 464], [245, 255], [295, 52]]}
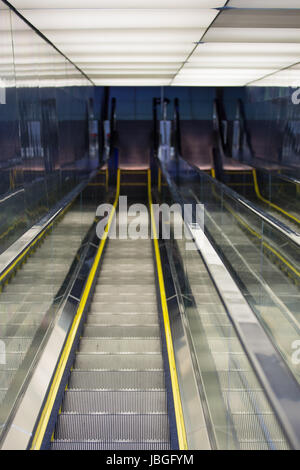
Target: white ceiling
{"points": [[154, 42]]}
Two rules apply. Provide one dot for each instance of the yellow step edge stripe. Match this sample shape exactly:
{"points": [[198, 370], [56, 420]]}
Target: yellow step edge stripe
{"points": [[46, 413], [266, 201], [173, 372]]}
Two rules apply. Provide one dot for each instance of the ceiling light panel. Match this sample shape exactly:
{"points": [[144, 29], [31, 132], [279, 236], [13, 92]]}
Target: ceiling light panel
{"points": [[120, 58], [131, 66], [264, 4], [215, 77], [111, 36], [124, 19], [116, 4], [240, 45], [131, 81], [285, 78], [128, 48], [244, 55]]}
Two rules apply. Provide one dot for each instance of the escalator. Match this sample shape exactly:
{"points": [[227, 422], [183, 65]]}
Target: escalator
{"points": [[29, 299], [122, 385], [263, 259], [116, 395], [149, 350]]}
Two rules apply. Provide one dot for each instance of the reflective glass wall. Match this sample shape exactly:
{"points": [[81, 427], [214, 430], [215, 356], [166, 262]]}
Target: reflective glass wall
{"points": [[271, 117], [44, 121]]}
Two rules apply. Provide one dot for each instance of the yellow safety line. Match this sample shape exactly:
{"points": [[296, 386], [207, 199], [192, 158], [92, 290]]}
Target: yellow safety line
{"points": [[213, 172], [174, 379], [266, 201], [46, 413]]}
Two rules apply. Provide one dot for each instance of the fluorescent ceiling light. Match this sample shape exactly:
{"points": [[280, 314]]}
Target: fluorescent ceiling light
{"points": [[132, 73], [214, 77], [103, 40], [116, 58], [132, 82], [246, 48], [285, 78], [132, 48], [131, 66], [125, 19], [102, 36], [116, 4], [226, 73]]}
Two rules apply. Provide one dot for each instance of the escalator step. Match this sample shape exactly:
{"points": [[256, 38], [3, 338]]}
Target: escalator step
{"points": [[117, 290], [124, 297], [22, 318], [26, 331], [6, 377], [12, 361], [137, 401], [15, 344], [122, 319], [122, 331], [115, 345], [117, 380], [110, 445], [2, 394], [125, 307], [117, 361], [251, 426], [113, 427], [23, 307]]}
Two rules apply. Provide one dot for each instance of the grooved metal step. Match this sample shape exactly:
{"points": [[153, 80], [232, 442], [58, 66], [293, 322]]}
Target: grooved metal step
{"points": [[117, 380], [12, 361], [22, 318], [15, 344], [2, 394], [113, 426], [122, 319], [119, 331], [6, 377], [118, 361], [134, 401], [110, 445], [26, 331], [117, 290], [124, 297], [23, 307], [116, 396], [125, 279], [120, 345], [124, 307]]}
